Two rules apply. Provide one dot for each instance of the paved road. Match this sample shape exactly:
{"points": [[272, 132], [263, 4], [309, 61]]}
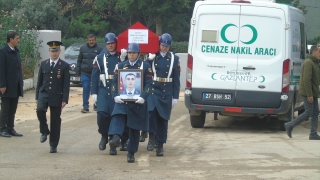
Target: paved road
{"points": [[230, 148]]}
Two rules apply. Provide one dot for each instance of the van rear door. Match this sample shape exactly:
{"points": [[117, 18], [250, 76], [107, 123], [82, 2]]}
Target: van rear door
{"points": [[216, 27], [261, 53]]}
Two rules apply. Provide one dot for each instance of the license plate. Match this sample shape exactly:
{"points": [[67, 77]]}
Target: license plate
{"points": [[74, 78], [217, 97]]}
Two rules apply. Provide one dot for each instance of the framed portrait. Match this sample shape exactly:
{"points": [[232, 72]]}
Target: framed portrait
{"points": [[130, 84]]}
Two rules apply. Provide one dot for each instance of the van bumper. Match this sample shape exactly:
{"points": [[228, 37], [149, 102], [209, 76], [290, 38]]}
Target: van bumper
{"points": [[284, 107]]}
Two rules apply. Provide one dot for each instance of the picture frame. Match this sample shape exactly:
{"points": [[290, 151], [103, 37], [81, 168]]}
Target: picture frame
{"points": [[130, 84]]}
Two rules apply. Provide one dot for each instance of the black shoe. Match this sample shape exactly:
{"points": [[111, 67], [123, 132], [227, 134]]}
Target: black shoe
{"points": [[151, 142], [143, 136], [43, 138], [159, 150], [130, 157], [12, 132], [288, 129], [53, 149], [103, 142], [123, 146], [113, 151], [314, 137], [114, 141], [4, 133], [84, 110], [95, 107]]}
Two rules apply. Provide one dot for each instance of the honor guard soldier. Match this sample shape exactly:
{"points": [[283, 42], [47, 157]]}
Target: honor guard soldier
{"points": [[101, 78], [134, 114], [165, 90], [52, 90]]}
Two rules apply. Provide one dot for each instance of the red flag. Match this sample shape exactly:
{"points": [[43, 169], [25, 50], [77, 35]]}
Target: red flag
{"points": [[121, 84]]}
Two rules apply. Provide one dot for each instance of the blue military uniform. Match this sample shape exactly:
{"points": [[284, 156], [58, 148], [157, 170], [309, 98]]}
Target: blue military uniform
{"points": [[163, 90], [105, 102], [132, 114]]}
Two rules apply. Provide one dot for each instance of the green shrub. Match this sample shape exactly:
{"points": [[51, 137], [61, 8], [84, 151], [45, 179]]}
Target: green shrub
{"points": [[179, 47], [69, 41], [28, 46]]}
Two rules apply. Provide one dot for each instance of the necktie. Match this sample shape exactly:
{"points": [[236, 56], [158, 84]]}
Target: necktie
{"points": [[52, 65], [129, 93]]}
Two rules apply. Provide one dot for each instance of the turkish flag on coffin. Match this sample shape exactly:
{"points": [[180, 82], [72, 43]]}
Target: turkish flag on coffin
{"points": [[147, 40]]}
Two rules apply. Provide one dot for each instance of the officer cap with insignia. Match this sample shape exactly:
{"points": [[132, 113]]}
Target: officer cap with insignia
{"points": [[54, 45]]}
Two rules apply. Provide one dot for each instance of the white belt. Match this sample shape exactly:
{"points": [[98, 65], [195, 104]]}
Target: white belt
{"points": [[162, 79], [109, 77]]}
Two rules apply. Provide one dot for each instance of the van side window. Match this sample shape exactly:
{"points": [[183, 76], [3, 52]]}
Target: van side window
{"points": [[303, 41]]}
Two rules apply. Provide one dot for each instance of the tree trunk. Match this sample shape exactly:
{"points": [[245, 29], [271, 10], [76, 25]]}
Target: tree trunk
{"points": [[158, 26]]}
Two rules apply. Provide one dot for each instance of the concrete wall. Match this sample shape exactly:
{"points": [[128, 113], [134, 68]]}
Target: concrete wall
{"points": [[183, 57]]}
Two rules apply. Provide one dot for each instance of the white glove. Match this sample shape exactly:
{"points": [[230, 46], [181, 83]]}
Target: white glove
{"points": [[151, 56], [94, 98], [103, 79], [174, 102], [117, 99], [140, 100], [123, 54]]}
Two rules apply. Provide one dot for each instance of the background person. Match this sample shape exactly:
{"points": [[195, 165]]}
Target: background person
{"points": [[84, 67], [309, 90], [11, 84]]}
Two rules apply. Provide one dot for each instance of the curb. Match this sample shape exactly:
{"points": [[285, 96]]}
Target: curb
{"points": [[27, 84]]}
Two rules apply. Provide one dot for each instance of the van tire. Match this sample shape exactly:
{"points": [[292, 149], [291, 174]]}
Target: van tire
{"points": [[199, 120], [300, 111]]}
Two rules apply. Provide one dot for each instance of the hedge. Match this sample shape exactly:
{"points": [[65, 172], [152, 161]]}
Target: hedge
{"points": [[177, 47]]}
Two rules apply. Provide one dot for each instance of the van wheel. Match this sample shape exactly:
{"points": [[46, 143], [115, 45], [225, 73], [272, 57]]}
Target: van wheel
{"points": [[199, 120], [282, 128], [300, 111]]}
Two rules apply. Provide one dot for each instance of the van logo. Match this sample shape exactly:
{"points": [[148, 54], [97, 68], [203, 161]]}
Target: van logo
{"points": [[239, 76], [251, 41]]}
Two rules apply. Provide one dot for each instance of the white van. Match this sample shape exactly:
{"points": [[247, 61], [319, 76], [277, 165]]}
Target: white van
{"points": [[244, 59]]}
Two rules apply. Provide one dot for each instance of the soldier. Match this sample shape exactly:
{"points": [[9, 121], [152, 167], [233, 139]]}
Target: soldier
{"points": [[101, 78], [52, 90], [134, 113], [165, 90]]}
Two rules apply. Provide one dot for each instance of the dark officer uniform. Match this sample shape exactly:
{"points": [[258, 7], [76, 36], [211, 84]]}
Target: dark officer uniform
{"points": [[162, 92], [11, 78], [52, 89], [133, 114], [105, 101]]}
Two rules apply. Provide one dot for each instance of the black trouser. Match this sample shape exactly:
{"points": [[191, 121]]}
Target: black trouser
{"points": [[8, 111], [134, 136], [55, 124], [103, 121], [55, 120]]}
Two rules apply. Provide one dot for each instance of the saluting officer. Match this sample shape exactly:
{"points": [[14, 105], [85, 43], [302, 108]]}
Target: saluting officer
{"points": [[52, 90], [134, 114], [165, 90], [101, 78]]}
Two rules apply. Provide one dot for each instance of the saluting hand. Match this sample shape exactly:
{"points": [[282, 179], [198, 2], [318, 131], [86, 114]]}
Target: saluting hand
{"points": [[3, 90], [63, 105]]}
